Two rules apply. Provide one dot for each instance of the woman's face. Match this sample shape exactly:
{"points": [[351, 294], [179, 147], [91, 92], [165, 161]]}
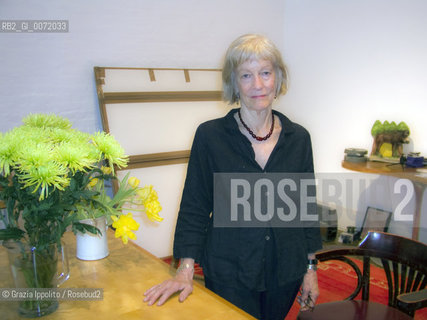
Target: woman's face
{"points": [[256, 83]]}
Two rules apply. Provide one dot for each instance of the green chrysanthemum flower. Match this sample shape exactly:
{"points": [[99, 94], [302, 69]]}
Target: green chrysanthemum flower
{"points": [[6, 155], [58, 135], [76, 156], [45, 176], [41, 120], [26, 136], [10, 145], [110, 149], [34, 155]]}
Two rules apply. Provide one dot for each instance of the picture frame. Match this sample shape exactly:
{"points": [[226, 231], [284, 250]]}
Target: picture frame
{"points": [[375, 220]]}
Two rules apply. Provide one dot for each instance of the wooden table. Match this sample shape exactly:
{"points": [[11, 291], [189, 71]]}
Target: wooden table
{"points": [[419, 181], [124, 275]]}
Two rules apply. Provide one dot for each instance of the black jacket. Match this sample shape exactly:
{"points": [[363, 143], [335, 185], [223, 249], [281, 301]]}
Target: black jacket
{"points": [[235, 255]]}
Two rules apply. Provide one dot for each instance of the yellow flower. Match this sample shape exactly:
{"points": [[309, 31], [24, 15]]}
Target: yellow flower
{"points": [[152, 209], [143, 193], [93, 182], [124, 227], [133, 182], [147, 193], [106, 170], [150, 201]]}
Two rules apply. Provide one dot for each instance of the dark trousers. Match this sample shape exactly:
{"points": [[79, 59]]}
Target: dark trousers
{"points": [[272, 304]]}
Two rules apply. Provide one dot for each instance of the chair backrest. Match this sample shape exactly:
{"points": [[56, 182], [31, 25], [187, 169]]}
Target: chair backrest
{"points": [[404, 261]]}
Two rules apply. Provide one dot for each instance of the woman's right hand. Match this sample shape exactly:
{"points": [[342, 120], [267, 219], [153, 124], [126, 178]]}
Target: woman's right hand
{"points": [[183, 281]]}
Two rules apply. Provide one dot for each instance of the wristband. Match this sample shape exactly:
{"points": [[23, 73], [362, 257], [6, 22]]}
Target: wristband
{"points": [[183, 266], [312, 264], [312, 267]]}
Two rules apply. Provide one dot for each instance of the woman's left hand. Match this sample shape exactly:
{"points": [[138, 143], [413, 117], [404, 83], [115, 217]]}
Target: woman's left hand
{"points": [[309, 291]]}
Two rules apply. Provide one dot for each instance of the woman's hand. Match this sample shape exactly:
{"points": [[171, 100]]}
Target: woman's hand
{"points": [[183, 281], [309, 291]]}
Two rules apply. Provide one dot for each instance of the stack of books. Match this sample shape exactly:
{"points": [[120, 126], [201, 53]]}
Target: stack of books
{"points": [[355, 155]]}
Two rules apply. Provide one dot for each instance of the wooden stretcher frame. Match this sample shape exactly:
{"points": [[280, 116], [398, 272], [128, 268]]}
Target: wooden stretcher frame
{"points": [[135, 101], [107, 98]]}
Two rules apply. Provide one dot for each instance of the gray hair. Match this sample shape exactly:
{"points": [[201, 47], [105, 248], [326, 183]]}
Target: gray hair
{"points": [[247, 47]]}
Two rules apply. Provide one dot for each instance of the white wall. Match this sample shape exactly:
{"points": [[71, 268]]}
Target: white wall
{"points": [[54, 72], [45, 72], [351, 63]]}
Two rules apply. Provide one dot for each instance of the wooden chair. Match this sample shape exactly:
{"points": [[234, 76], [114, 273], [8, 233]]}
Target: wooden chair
{"points": [[405, 266]]}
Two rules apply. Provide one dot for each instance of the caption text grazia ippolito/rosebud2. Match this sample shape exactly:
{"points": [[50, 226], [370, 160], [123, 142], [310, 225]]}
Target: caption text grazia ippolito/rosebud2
{"points": [[49, 294], [289, 200]]}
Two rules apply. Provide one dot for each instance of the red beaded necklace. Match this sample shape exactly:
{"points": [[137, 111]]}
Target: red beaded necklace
{"points": [[253, 134]]}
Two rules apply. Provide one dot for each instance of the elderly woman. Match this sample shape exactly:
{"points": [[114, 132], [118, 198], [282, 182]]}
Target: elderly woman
{"points": [[259, 270]]}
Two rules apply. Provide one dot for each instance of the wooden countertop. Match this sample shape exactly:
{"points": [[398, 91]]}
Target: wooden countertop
{"points": [[386, 169], [124, 275]]}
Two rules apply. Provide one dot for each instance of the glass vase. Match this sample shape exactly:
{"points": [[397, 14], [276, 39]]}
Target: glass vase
{"points": [[33, 268]]}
